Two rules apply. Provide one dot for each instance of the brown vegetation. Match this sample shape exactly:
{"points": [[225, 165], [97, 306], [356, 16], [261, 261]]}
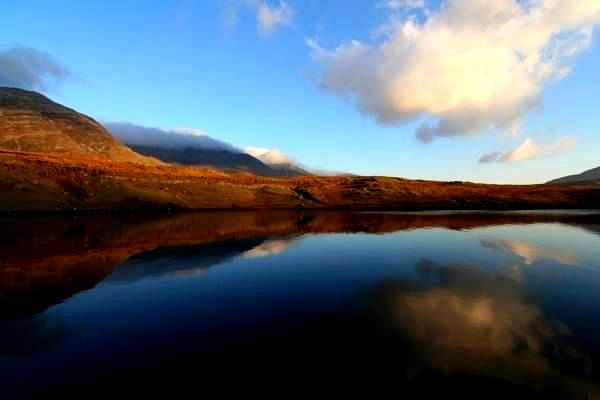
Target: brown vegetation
{"points": [[53, 158], [42, 182], [30, 121]]}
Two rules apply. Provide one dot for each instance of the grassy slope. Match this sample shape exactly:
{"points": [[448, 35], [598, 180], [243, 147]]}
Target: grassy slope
{"points": [[35, 181]]}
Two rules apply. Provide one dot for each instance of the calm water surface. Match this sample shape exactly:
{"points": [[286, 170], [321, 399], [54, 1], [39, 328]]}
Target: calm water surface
{"points": [[482, 305]]}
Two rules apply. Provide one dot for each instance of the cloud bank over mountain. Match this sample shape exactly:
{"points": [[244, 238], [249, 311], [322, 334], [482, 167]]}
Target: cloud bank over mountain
{"points": [[168, 138], [181, 138], [140, 137], [30, 69], [462, 68]]}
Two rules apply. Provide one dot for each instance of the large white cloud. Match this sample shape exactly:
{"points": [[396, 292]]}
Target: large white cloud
{"points": [[464, 67], [529, 149], [30, 69]]}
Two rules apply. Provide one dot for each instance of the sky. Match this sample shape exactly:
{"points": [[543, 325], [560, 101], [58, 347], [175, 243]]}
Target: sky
{"points": [[499, 91]]}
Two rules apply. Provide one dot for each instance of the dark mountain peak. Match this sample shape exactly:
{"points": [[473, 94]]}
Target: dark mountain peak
{"points": [[227, 160], [589, 176], [289, 169]]}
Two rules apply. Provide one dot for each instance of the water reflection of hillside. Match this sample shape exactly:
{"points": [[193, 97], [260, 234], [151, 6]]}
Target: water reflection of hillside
{"points": [[44, 260], [191, 260]]}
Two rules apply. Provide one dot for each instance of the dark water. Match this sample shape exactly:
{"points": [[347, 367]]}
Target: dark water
{"points": [[480, 305]]}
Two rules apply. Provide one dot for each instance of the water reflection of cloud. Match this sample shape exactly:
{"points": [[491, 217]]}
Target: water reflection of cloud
{"points": [[269, 248], [471, 321], [530, 252]]}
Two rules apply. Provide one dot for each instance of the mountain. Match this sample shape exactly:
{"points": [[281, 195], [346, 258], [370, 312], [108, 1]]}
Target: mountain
{"points": [[222, 159], [53, 158], [289, 169], [186, 146], [589, 176], [30, 122]]}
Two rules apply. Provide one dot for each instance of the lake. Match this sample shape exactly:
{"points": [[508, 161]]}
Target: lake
{"points": [[480, 304]]}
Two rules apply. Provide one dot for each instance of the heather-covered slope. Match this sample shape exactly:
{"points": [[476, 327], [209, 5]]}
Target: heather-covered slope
{"points": [[38, 182], [31, 122]]}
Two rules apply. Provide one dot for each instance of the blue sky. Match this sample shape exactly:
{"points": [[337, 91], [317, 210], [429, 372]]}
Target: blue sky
{"points": [[190, 64]]}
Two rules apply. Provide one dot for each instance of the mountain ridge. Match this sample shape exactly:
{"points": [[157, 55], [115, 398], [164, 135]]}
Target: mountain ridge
{"points": [[589, 176], [55, 159], [225, 160]]}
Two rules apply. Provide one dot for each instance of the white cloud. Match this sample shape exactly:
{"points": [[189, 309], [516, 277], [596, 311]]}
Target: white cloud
{"points": [[268, 156], [529, 149], [30, 69], [269, 18], [230, 16], [465, 67], [399, 5], [490, 157], [169, 138]]}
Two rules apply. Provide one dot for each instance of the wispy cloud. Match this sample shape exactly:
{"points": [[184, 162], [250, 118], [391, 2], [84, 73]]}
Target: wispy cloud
{"points": [[30, 69], [399, 5], [529, 149], [490, 157], [230, 16], [270, 18], [464, 67]]}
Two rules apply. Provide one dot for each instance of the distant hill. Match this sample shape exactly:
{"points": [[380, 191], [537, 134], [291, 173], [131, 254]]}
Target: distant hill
{"points": [[289, 169], [589, 176], [185, 146], [221, 159], [31, 122]]}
